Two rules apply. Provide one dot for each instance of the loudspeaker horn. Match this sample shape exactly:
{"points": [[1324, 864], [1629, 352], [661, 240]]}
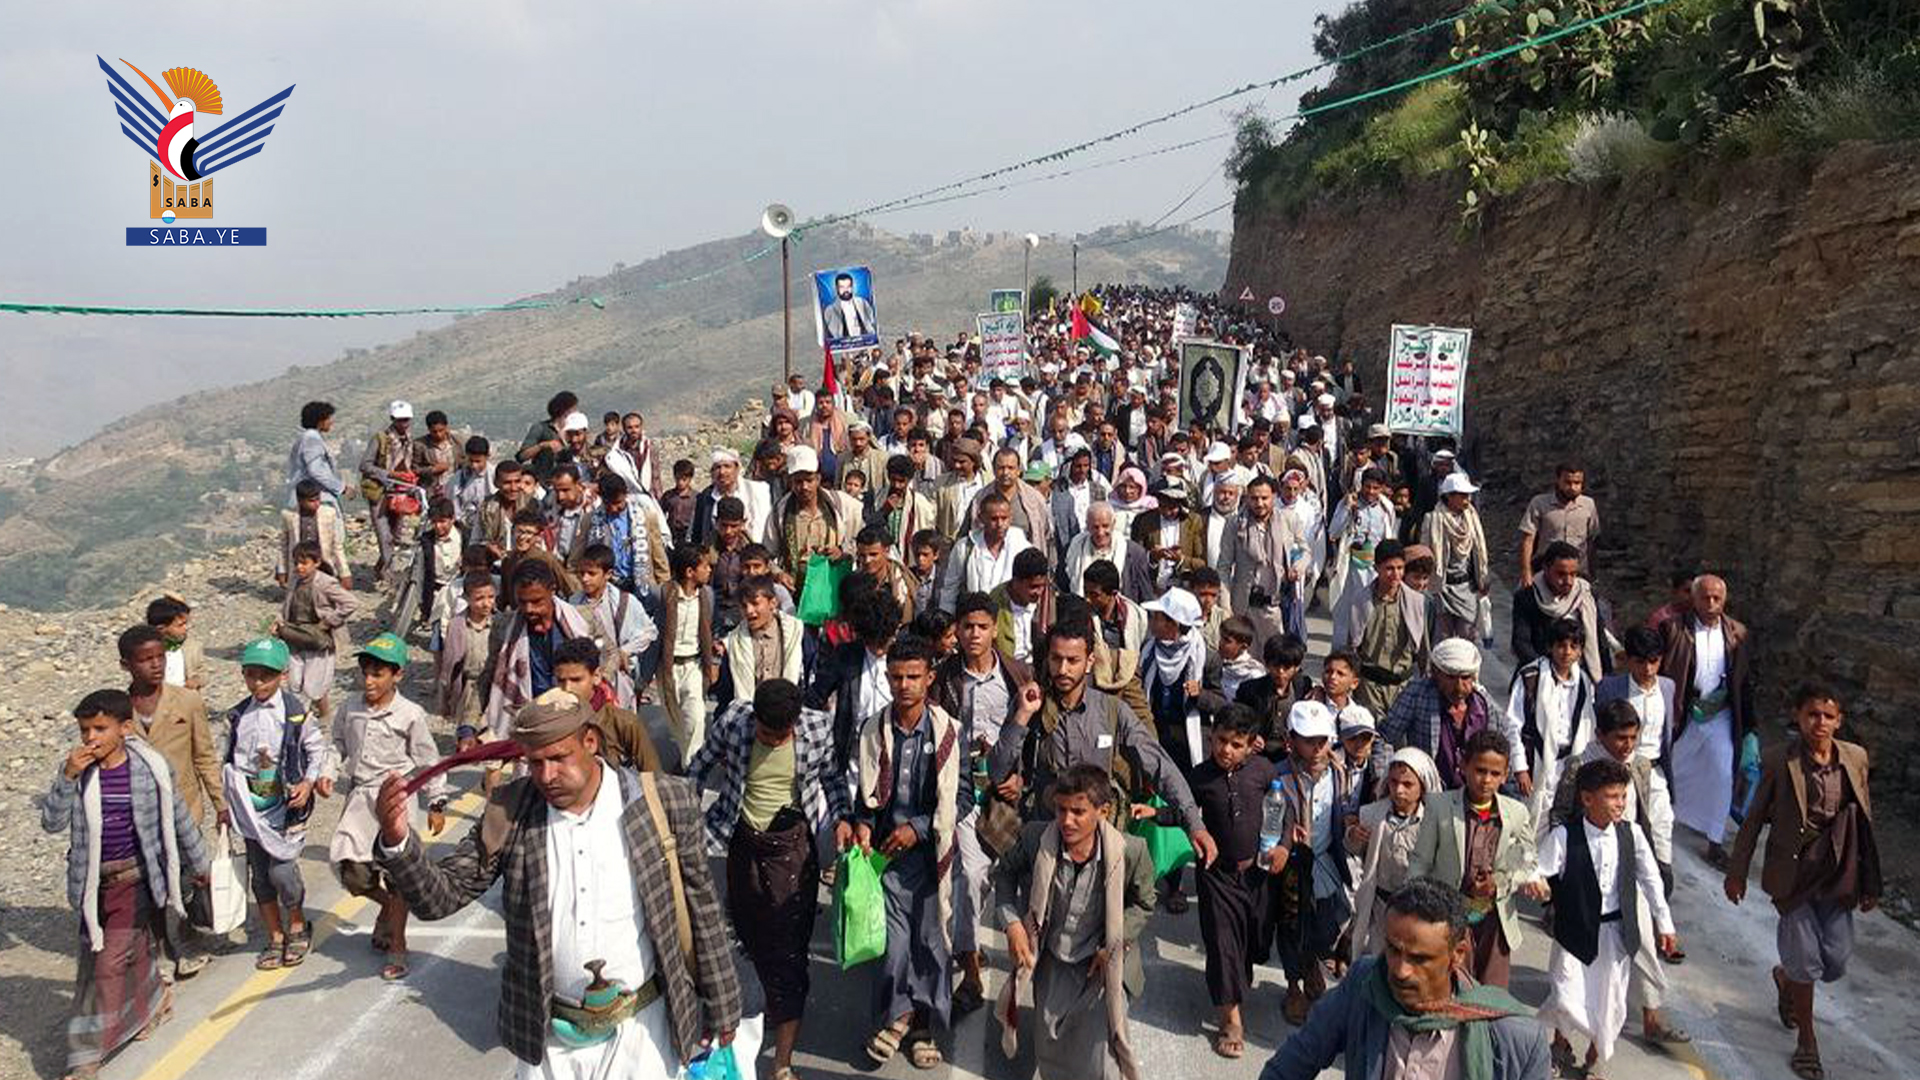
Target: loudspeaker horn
{"points": [[777, 221]]}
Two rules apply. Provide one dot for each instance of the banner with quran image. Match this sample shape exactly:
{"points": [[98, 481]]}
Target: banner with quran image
{"points": [[1427, 380], [1212, 377]]}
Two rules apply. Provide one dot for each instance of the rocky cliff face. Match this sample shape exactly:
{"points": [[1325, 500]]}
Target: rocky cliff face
{"points": [[1729, 350]]}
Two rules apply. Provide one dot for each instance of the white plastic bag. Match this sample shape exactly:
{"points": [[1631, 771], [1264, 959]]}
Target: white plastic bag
{"points": [[1484, 624], [227, 886]]}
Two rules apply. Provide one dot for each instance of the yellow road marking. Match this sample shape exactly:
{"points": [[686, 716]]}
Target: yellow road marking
{"points": [[185, 1053]]}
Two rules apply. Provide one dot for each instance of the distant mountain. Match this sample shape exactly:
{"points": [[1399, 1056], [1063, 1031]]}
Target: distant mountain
{"points": [[206, 469]]}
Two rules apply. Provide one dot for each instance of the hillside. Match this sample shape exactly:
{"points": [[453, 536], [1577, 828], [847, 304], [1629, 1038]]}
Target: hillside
{"points": [[201, 471]]}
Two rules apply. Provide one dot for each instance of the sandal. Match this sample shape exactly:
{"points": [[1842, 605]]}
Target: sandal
{"points": [[1668, 1035], [1780, 997], [1229, 1044], [394, 970], [968, 997], [1295, 1008], [922, 1051], [160, 1016], [784, 1072], [271, 958], [1806, 1065], [1175, 903], [886, 1042], [298, 945]]}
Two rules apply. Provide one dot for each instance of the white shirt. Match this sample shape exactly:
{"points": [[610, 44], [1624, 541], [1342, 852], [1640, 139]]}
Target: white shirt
{"points": [[596, 915], [1651, 704], [259, 732], [1604, 847], [1082, 496], [176, 668], [1022, 632], [982, 570], [1558, 723], [1216, 528], [875, 693], [686, 626], [1709, 658]]}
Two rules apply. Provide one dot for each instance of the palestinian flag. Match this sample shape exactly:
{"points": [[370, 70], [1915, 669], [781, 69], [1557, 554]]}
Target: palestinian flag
{"points": [[1087, 330]]}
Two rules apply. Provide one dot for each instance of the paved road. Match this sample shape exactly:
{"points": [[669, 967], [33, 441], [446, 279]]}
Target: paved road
{"points": [[333, 1018]]}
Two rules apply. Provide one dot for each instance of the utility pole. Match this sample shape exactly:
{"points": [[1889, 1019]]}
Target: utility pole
{"points": [[1026, 277], [1076, 268], [786, 312]]}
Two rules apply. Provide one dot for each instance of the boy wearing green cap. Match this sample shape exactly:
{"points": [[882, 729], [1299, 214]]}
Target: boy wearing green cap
{"points": [[379, 731], [276, 755]]}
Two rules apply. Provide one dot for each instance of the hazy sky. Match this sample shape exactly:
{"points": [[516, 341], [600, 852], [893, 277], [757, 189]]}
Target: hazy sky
{"points": [[478, 151]]}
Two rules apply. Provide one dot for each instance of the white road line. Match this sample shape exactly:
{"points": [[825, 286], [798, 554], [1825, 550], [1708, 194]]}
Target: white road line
{"points": [[498, 933], [319, 1063]]}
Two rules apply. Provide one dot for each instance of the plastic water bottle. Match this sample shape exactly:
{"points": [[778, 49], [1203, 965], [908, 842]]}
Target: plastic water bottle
{"points": [[1273, 817]]}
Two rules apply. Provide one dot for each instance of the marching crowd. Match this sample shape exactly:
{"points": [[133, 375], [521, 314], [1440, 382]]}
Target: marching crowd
{"points": [[1032, 646]]}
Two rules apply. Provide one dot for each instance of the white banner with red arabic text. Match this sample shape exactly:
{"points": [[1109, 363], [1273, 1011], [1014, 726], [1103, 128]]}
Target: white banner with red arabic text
{"points": [[1427, 380]]}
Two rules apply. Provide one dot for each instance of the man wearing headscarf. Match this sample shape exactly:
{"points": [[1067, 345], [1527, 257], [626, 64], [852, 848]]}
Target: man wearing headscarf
{"points": [[1423, 1018], [1559, 592], [1438, 713], [1383, 838], [1460, 557]]}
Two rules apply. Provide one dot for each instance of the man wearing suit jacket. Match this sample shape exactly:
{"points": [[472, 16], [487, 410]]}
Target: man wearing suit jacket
{"points": [[1821, 858], [849, 315], [1482, 842], [576, 844], [1708, 656]]}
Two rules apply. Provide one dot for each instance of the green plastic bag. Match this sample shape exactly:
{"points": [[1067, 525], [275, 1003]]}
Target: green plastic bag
{"points": [[859, 908], [1169, 847], [820, 598]]}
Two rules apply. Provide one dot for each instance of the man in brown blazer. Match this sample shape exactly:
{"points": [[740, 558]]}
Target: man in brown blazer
{"points": [[628, 840], [1821, 861], [1708, 658], [173, 720]]}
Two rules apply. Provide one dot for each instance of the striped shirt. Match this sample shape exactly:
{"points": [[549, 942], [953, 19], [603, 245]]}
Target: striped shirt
{"points": [[117, 839]]}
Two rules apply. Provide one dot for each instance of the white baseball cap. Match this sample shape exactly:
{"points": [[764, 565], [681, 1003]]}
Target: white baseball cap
{"points": [[575, 421], [802, 459], [1177, 604], [400, 410], [1310, 720], [1324, 399], [1355, 719], [1219, 452], [1457, 483], [726, 456]]}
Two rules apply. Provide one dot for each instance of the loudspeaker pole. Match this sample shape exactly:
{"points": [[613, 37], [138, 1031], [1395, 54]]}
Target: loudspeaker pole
{"points": [[786, 310]]}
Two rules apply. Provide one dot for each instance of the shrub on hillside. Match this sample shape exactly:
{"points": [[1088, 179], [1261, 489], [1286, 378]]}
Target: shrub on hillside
{"points": [[1609, 146]]}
